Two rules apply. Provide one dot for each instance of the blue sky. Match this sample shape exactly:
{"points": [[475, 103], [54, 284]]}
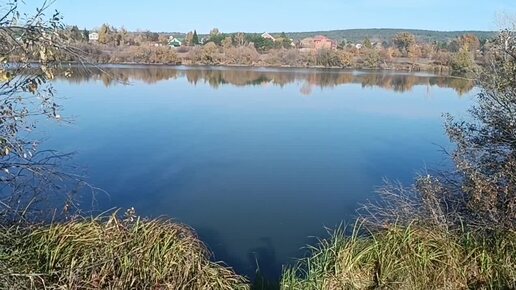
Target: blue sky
{"points": [[284, 15]]}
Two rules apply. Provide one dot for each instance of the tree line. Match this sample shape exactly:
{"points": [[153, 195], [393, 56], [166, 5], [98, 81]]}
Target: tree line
{"points": [[404, 50]]}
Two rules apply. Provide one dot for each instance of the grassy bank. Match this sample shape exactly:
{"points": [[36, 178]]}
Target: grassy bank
{"points": [[412, 257], [109, 253]]}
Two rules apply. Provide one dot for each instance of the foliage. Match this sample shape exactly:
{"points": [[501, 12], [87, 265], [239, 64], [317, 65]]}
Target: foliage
{"points": [[386, 34], [327, 57], [227, 42], [217, 38], [210, 54], [367, 43], [285, 57], [195, 38], [109, 253], [372, 59], [283, 41], [454, 230], [30, 50], [149, 55], [463, 63], [409, 257], [469, 42], [480, 194], [261, 44], [75, 34], [404, 41], [104, 34], [486, 146], [189, 39], [246, 55], [346, 59]]}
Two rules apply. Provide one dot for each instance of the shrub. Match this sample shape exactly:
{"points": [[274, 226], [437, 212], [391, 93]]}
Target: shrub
{"points": [[109, 253], [463, 63], [327, 57], [246, 55]]}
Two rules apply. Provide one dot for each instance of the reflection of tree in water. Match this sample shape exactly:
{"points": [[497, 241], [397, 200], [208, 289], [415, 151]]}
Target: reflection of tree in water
{"points": [[306, 89], [216, 77]]}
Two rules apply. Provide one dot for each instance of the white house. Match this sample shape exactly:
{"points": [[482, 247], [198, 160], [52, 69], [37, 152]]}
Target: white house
{"points": [[266, 35], [174, 42], [94, 36]]}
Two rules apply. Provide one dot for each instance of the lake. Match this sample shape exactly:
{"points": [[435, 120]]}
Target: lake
{"points": [[257, 161]]}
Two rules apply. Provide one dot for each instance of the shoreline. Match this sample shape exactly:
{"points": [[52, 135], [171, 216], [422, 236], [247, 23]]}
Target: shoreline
{"points": [[264, 67]]}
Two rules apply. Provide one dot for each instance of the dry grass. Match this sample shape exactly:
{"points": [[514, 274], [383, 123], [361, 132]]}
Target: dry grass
{"points": [[410, 257], [109, 253]]}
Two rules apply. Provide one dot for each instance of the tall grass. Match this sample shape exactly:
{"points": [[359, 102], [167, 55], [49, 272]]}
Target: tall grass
{"points": [[109, 253], [409, 257]]}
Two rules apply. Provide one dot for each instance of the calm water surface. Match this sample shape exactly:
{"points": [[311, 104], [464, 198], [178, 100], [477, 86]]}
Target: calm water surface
{"points": [[256, 160]]}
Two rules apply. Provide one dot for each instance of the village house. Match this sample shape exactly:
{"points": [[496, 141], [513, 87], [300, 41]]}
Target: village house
{"points": [[266, 35], [323, 42], [318, 42], [174, 42], [93, 37]]}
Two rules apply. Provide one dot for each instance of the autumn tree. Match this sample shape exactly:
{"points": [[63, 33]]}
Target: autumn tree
{"points": [[214, 32], [328, 58], [403, 41], [414, 52], [123, 35], [463, 63], [479, 194], [104, 34], [241, 55], [486, 145], [346, 59], [240, 39], [30, 51], [189, 39], [469, 42], [210, 54], [372, 59], [367, 43], [283, 41], [227, 42]]}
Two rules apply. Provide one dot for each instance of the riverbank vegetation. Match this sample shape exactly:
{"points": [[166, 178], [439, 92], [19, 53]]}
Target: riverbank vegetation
{"points": [[109, 253], [453, 230], [401, 51], [448, 230], [35, 188], [407, 257]]}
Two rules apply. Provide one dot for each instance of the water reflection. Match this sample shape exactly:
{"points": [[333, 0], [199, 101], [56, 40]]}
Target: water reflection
{"points": [[308, 78], [240, 156]]}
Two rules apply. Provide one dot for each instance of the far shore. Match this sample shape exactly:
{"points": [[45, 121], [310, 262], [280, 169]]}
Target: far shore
{"points": [[434, 71]]}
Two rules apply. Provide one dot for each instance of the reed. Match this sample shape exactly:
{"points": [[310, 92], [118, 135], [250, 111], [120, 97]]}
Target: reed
{"points": [[109, 253], [409, 257]]}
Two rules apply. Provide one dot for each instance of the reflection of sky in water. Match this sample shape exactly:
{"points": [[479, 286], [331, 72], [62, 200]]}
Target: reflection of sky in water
{"points": [[253, 168]]}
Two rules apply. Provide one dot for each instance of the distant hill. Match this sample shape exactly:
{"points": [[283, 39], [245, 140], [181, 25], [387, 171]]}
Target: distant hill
{"points": [[386, 34], [375, 34]]}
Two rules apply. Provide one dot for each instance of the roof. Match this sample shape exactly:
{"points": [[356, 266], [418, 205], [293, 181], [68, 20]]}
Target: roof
{"points": [[267, 35]]}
